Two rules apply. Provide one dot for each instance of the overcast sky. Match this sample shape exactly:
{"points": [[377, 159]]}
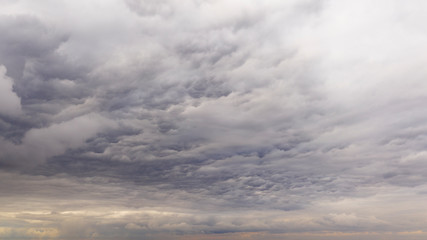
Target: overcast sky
{"points": [[213, 119]]}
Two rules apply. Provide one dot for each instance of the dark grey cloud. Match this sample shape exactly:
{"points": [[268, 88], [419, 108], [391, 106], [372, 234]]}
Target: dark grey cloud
{"points": [[171, 119], [25, 37]]}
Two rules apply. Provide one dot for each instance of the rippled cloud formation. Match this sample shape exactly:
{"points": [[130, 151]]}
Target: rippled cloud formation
{"points": [[201, 119]]}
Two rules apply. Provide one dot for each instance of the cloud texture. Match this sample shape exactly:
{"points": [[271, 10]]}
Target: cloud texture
{"points": [[167, 119]]}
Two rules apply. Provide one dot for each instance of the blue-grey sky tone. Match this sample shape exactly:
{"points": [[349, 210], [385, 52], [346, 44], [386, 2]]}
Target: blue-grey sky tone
{"points": [[213, 119]]}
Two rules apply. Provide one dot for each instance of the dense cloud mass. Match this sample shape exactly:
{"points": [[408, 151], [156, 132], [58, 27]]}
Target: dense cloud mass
{"points": [[200, 119]]}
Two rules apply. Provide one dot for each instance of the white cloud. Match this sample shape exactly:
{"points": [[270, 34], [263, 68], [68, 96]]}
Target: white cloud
{"points": [[40, 144], [10, 103]]}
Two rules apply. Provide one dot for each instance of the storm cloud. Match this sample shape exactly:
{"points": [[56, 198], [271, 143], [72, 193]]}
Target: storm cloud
{"points": [[142, 119]]}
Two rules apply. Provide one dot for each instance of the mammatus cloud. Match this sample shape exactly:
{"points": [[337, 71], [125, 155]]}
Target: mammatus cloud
{"points": [[212, 120]]}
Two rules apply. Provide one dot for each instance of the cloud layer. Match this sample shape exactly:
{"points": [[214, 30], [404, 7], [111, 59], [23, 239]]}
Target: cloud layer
{"points": [[141, 119]]}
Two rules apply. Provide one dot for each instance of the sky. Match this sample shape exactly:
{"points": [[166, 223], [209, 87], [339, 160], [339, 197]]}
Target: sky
{"points": [[213, 119]]}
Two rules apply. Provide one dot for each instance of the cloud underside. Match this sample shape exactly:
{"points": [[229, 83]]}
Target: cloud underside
{"points": [[278, 120]]}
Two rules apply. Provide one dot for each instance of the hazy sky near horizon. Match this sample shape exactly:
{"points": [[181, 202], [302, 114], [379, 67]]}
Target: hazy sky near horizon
{"points": [[213, 119]]}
